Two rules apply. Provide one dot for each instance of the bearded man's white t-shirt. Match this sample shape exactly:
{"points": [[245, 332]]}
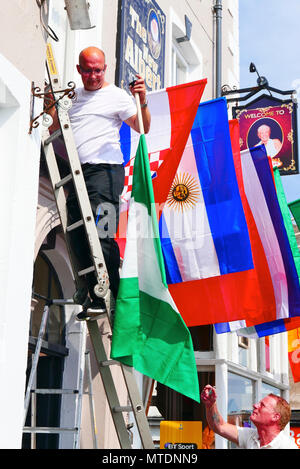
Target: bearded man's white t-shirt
{"points": [[96, 118]]}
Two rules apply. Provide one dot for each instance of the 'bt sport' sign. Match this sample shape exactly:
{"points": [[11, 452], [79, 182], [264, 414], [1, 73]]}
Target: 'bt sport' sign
{"points": [[142, 43]]}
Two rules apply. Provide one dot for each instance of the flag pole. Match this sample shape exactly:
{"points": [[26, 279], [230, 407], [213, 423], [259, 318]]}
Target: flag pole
{"points": [[139, 113]]}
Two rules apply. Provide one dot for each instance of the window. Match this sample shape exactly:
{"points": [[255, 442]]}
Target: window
{"points": [[186, 60], [268, 389], [240, 393], [240, 401], [243, 343], [202, 337], [174, 406], [179, 67]]}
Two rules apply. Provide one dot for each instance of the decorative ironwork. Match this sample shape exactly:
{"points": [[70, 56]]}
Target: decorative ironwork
{"points": [[49, 100], [227, 88]]}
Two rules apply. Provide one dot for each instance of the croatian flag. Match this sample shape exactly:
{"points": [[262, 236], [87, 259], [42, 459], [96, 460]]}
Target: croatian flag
{"points": [[173, 111], [264, 204], [203, 228]]}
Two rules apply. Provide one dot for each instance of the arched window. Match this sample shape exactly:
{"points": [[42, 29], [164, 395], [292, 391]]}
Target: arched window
{"points": [[46, 284]]}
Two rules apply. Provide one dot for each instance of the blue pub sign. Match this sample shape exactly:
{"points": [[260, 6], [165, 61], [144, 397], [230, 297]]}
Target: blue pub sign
{"points": [[142, 43]]}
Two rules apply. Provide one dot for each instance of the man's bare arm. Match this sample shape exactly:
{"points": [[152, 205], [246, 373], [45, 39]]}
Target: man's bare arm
{"points": [[133, 121], [214, 418]]}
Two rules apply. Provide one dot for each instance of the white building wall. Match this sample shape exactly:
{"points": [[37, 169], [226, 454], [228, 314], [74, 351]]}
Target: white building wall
{"points": [[18, 198]]}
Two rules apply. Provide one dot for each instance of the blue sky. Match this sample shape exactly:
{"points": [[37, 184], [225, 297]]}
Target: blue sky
{"points": [[270, 37]]}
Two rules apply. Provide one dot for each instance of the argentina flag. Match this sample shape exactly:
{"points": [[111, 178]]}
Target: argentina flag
{"points": [[202, 227]]}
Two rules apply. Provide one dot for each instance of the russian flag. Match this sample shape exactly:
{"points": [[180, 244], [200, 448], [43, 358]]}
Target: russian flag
{"points": [[203, 228], [236, 296], [272, 224]]}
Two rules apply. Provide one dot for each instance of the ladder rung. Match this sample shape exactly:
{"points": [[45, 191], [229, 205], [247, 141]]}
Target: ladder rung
{"points": [[54, 391], [63, 302], [109, 362], [52, 137], [124, 408], [63, 181], [75, 225], [49, 430], [86, 271]]}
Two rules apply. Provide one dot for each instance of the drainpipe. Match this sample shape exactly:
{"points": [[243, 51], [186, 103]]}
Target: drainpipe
{"points": [[218, 13]]}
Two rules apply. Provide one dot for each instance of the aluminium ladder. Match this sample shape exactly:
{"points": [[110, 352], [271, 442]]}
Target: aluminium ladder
{"points": [[32, 391], [63, 104]]}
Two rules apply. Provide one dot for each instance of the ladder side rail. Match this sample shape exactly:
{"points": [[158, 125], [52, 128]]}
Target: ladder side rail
{"points": [[80, 390], [97, 257], [33, 414], [91, 399], [137, 407], [60, 200], [54, 175], [35, 360], [108, 384]]}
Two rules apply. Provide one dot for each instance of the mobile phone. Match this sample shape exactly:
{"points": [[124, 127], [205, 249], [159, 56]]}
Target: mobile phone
{"points": [[132, 83]]}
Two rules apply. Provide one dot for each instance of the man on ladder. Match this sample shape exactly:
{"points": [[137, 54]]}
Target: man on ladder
{"points": [[97, 113]]}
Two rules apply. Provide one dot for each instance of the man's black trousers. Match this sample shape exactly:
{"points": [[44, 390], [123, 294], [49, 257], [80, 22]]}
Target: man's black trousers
{"points": [[104, 184]]}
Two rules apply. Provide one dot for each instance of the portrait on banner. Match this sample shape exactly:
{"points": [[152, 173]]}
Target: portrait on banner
{"points": [[270, 122]]}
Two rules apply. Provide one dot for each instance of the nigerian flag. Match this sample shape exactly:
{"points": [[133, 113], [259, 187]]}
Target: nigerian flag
{"points": [[149, 333]]}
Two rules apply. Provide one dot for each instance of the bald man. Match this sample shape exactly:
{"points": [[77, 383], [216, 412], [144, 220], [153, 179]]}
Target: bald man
{"points": [[98, 111]]}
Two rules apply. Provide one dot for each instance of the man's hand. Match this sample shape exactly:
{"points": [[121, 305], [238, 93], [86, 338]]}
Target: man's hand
{"points": [[140, 88], [214, 418], [208, 395]]}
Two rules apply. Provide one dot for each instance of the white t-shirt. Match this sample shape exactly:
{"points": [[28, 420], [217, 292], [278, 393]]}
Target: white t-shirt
{"points": [[248, 439], [96, 118]]}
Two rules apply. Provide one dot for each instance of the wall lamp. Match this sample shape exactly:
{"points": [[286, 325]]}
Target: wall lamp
{"points": [[261, 81], [78, 14]]}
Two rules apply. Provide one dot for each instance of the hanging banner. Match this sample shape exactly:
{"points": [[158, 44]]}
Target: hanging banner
{"points": [[294, 353], [142, 44], [295, 433], [273, 123]]}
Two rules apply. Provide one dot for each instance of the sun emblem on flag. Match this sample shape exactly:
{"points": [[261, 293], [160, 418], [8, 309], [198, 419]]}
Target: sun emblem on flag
{"points": [[184, 192]]}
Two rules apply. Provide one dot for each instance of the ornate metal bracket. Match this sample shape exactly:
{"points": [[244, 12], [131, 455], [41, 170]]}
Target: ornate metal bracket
{"points": [[49, 101]]}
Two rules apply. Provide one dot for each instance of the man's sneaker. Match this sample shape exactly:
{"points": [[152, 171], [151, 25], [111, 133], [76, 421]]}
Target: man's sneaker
{"points": [[95, 310], [97, 306], [83, 316]]}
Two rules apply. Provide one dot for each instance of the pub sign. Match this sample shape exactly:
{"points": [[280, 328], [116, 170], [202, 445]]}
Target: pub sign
{"points": [[272, 122], [142, 43]]}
